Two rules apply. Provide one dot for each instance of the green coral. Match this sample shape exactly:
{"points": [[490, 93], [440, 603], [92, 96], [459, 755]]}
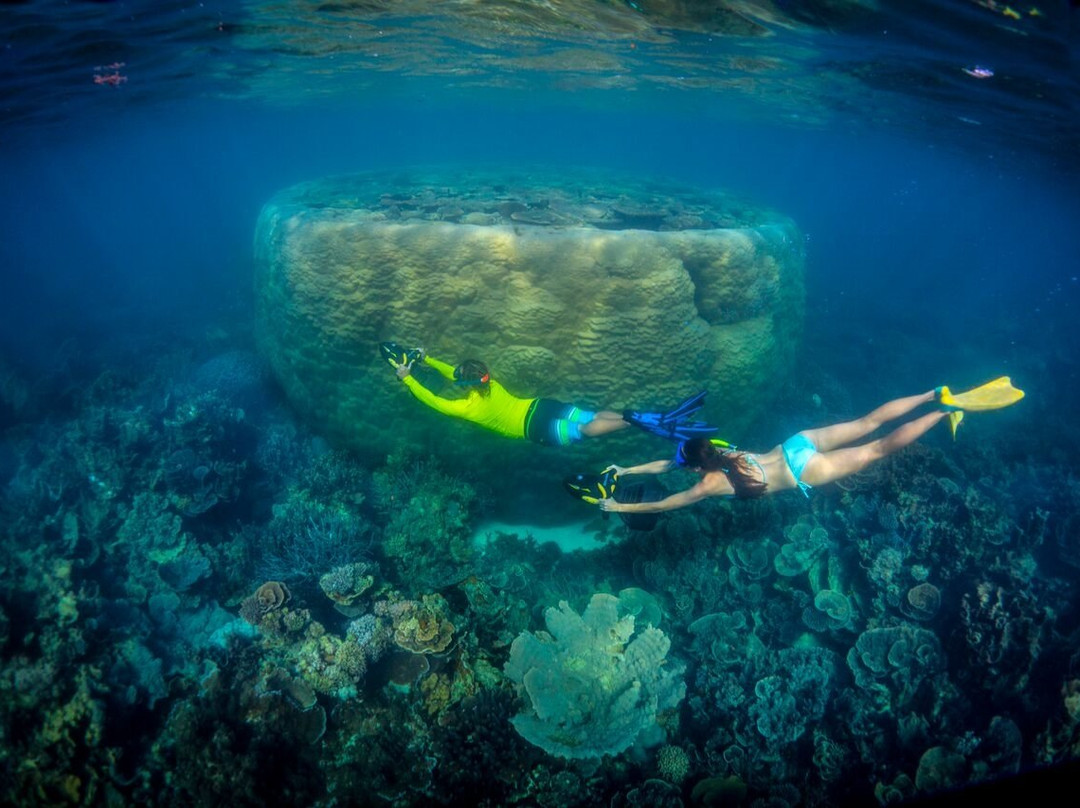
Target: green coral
{"points": [[672, 763], [806, 541], [331, 665], [429, 537], [830, 611], [592, 685], [891, 663]]}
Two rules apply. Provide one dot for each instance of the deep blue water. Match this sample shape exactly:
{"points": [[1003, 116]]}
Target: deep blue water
{"points": [[148, 217], [939, 211], [165, 201]]}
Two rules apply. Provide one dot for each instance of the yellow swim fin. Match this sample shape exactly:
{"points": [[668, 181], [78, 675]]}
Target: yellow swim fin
{"points": [[954, 421], [990, 396]]}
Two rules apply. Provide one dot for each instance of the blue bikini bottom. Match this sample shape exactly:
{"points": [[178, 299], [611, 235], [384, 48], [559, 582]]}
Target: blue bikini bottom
{"points": [[798, 449]]}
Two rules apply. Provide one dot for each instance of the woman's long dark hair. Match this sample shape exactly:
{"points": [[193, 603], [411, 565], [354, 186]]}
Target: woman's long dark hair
{"points": [[700, 453]]}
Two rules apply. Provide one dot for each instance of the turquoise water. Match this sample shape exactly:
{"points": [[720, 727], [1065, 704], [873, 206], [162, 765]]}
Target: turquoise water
{"points": [[899, 635]]}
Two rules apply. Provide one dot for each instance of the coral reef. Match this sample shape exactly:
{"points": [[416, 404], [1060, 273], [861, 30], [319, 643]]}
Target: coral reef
{"points": [[204, 602], [428, 540], [593, 687]]}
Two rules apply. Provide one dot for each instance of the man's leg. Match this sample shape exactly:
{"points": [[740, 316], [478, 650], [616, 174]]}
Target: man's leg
{"points": [[603, 423]]}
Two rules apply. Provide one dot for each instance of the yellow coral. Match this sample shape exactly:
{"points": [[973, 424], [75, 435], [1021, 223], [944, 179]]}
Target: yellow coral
{"points": [[423, 627], [1071, 691], [68, 608]]}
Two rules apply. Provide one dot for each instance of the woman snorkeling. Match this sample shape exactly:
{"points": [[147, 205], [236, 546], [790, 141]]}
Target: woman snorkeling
{"points": [[813, 457]]}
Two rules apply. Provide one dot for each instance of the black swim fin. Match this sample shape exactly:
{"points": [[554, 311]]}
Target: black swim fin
{"points": [[398, 356], [673, 424]]}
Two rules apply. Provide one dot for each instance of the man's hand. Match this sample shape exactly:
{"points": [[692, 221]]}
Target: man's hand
{"points": [[609, 505], [403, 371]]}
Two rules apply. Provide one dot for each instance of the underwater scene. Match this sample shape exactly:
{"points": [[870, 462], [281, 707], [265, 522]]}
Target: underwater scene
{"points": [[539, 403]]}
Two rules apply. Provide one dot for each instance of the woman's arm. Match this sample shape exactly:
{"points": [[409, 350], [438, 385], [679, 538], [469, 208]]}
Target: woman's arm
{"points": [[655, 467], [675, 501]]}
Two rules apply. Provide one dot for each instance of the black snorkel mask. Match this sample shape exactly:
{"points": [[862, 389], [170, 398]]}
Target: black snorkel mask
{"points": [[470, 382], [680, 460]]}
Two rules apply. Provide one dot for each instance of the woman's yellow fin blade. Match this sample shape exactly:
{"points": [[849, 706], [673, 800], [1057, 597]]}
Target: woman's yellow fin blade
{"points": [[990, 396]]}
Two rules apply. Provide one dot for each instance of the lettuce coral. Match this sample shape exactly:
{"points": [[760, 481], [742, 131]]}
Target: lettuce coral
{"points": [[592, 685]]}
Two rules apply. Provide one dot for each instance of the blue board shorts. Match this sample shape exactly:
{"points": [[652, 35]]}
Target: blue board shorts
{"points": [[554, 423]]}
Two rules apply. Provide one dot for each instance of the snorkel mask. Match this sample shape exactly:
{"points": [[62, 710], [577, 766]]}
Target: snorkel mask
{"points": [[680, 460], [462, 382]]}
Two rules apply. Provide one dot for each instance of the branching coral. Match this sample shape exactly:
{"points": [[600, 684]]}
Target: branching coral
{"points": [[346, 583], [428, 539], [331, 665], [1003, 629], [309, 536]]}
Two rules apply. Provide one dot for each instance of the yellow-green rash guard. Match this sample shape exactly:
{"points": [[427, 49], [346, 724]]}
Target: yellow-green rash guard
{"points": [[498, 411]]}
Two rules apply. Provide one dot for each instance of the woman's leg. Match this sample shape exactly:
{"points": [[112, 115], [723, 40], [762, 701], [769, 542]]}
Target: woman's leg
{"points": [[825, 467], [828, 438]]}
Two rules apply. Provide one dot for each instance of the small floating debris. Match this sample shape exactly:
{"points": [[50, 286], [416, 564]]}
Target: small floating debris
{"points": [[111, 79]]}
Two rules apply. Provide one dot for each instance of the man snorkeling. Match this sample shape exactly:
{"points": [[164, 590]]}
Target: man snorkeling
{"points": [[810, 458], [540, 420]]}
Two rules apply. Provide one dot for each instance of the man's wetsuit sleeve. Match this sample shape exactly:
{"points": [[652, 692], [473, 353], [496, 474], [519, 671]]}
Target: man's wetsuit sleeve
{"points": [[445, 370], [446, 406]]}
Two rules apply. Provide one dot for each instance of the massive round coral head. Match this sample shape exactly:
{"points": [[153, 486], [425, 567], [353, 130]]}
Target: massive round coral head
{"points": [[605, 291]]}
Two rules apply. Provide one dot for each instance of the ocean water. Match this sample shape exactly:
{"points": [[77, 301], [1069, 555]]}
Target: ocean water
{"points": [[208, 596]]}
